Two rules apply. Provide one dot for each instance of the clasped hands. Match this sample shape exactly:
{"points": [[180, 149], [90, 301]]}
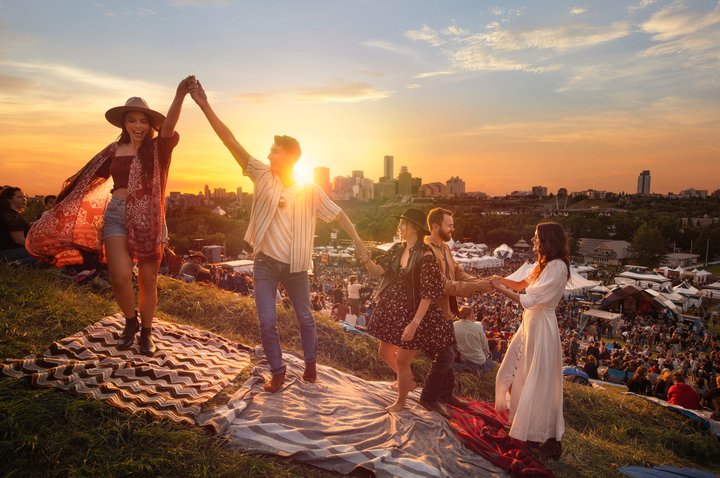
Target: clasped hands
{"points": [[362, 254]]}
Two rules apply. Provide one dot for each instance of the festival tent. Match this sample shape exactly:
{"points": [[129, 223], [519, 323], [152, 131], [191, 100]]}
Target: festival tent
{"points": [[243, 265], [600, 289], [687, 289], [712, 290], [577, 284], [503, 251], [662, 300], [615, 319], [701, 276], [522, 244], [646, 280], [521, 273], [654, 297], [486, 262]]}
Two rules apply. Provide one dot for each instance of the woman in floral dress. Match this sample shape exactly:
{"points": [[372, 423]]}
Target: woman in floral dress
{"points": [[407, 317]]}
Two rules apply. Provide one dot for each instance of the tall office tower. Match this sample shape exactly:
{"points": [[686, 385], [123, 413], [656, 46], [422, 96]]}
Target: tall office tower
{"points": [[388, 167], [643, 186]]}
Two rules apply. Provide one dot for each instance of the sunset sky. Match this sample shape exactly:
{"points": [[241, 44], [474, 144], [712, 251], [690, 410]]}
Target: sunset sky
{"points": [[505, 94]]}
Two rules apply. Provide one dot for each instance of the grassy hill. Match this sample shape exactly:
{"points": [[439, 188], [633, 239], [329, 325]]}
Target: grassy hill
{"points": [[52, 433]]}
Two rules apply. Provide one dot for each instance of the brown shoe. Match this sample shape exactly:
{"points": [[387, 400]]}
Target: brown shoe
{"points": [[310, 374], [275, 383]]}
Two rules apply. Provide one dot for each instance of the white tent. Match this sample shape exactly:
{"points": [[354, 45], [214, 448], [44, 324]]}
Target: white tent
{"points": [[687, 289], [521, 273], [486, 262], [599, 289], [701, 276], [503, 251], [578, 284], [667, 303], [644, 280], [243, 265]]}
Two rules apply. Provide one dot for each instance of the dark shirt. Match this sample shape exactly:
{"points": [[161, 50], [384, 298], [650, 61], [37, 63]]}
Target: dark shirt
{"points": [[11, 221], [591, 369], [641, 386]]}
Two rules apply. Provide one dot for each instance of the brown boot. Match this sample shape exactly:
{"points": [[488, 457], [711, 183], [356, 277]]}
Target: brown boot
{"points": [[310, 374], [127, 338], [274, 384]]}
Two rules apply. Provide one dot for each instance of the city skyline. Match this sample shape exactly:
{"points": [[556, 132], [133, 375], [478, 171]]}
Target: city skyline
{"points": [[508, 95]]}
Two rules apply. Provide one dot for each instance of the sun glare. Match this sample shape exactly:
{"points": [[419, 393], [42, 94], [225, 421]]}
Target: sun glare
{"points": [[303, 174]]}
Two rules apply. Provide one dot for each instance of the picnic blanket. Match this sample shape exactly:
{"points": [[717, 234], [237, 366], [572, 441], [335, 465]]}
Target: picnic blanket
{"points": [[190, 367], [484, 431], [340, 424], [664, 472], [703, 416]]}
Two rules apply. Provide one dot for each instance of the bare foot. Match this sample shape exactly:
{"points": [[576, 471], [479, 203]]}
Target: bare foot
{"points": [[395, 407], [394, 386]]}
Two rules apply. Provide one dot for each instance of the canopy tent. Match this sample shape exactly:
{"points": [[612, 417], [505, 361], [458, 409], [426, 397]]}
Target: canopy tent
{"points": [[243, 265], [644, 280], [615, 319], [701, 276], [486, 262], [576, 284], [522, 244], [599, 289], [662, 300], [711, 290], [503, 251], [687, 289], [521, 272], [655, 298]]}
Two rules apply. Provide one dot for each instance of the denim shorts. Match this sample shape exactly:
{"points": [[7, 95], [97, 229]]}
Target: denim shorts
{"points": [[115, 220]]}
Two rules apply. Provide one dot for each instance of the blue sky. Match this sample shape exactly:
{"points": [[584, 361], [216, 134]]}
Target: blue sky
{"points": [[505, 94]]}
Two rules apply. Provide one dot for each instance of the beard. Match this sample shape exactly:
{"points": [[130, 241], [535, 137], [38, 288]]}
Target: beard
{"points": [[445, 236]]}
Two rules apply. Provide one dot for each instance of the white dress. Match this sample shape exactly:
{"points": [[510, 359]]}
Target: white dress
{"points": [[529, 381]]}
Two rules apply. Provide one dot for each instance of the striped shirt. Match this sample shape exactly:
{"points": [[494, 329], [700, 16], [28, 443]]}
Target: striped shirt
{"points": [[308, 205]]}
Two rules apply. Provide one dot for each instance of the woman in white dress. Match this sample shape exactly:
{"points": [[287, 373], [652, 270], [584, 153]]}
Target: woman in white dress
{"points": [[529, 381]]}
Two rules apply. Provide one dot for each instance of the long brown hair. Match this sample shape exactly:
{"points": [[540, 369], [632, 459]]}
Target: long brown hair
{"points": [[145, 152], [552, 245]]}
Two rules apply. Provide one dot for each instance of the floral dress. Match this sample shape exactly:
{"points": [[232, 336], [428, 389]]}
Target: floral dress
{"points": [[393, 313]]}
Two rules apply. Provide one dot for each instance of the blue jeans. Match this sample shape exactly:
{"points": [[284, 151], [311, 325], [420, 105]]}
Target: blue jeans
{"points": [[19, 254], [268, 273]]}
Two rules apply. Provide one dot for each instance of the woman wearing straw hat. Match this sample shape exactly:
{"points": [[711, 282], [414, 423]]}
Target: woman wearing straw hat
{"points": [[114, 207], [407, 317]]}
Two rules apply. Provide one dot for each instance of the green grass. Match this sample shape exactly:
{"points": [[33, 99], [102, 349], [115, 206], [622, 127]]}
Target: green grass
{"points": [[52, 433], [714, 269]]}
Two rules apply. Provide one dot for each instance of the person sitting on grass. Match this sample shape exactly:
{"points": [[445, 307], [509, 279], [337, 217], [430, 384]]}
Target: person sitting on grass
{"points": [[682, 394], [639, 382]]}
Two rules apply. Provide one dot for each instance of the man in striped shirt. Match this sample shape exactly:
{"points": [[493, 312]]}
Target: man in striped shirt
{"points": [[281, 231]]}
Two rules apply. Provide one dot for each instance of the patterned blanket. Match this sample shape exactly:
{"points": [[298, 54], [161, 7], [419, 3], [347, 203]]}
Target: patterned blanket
{"points": [[190, 367], [339, 424]]}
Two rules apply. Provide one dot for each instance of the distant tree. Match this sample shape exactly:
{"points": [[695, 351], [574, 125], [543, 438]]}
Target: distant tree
{"points": [[648, 246]]}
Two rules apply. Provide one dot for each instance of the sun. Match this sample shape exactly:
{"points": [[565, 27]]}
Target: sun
{"points": [[303, 174]]}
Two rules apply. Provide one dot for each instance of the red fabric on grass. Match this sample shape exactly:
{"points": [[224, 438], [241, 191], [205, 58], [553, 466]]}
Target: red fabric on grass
{"points": [[482, 429]]}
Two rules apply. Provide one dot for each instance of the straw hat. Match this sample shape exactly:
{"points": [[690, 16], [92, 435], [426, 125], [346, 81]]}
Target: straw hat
{"points": [[115, 115]]}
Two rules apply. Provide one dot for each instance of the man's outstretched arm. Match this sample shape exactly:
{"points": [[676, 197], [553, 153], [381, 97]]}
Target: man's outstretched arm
{"points": [[241, 156]]}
